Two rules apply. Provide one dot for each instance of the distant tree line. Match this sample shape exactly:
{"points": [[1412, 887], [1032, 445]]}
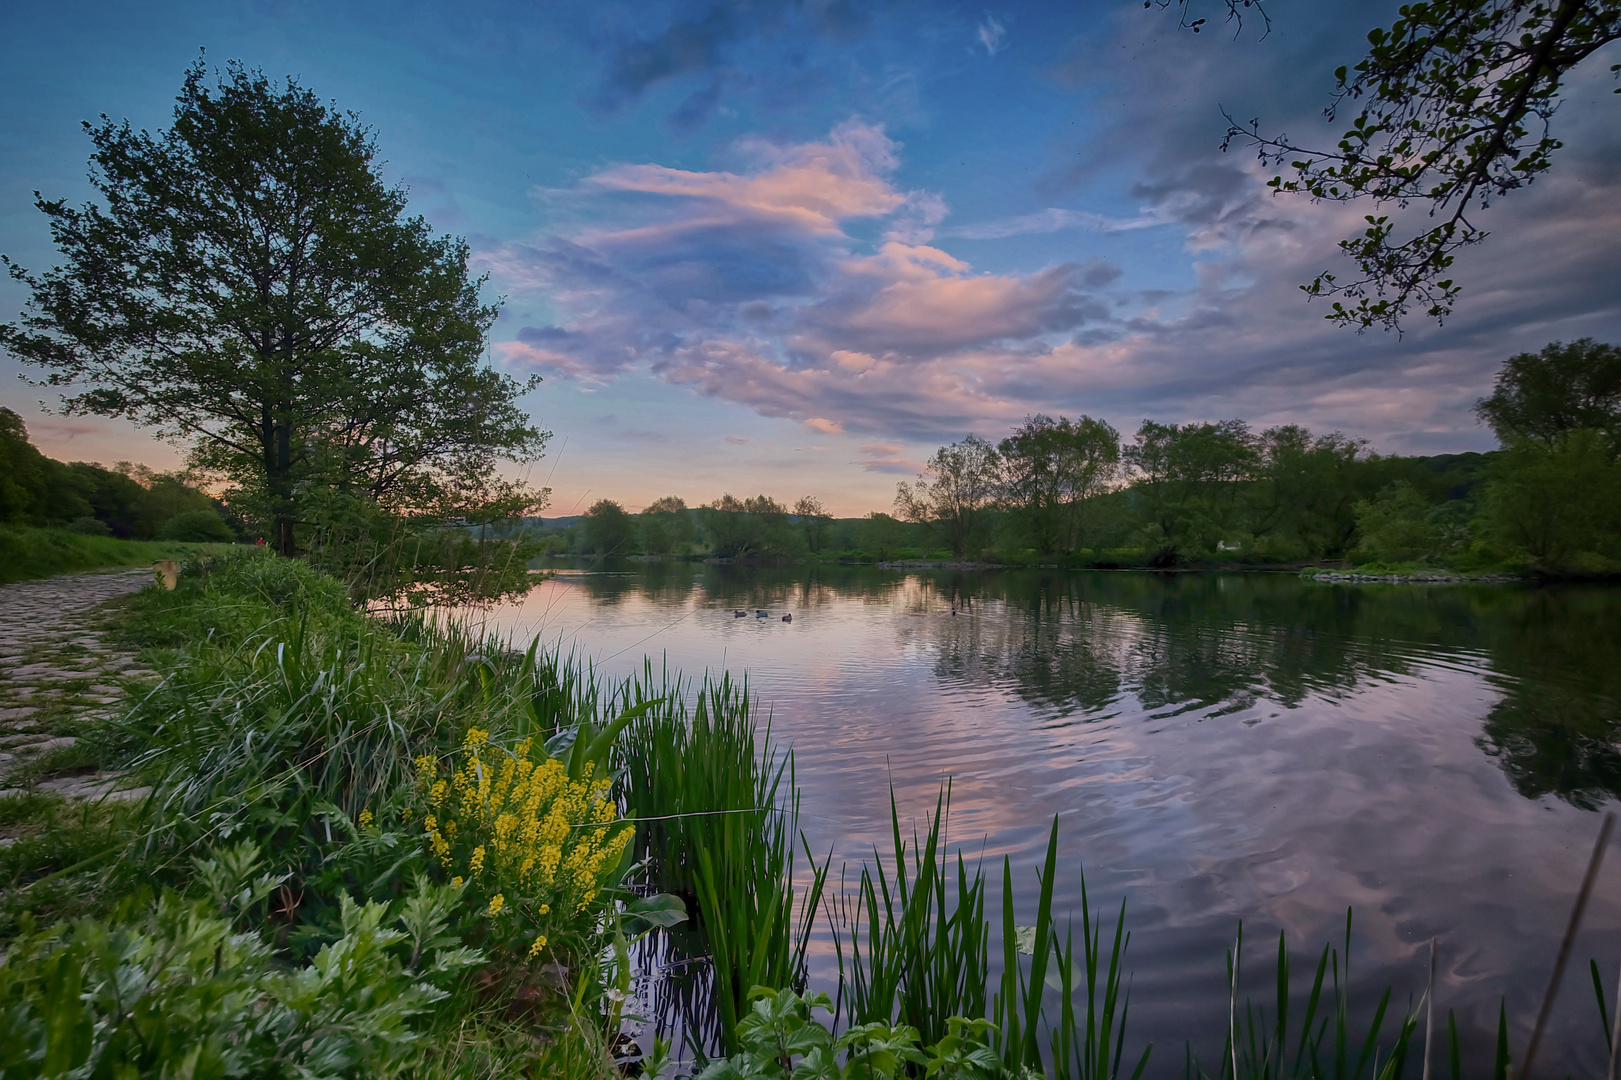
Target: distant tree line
{"points": [[127, 501], [1077, 492], [1549, 500]]}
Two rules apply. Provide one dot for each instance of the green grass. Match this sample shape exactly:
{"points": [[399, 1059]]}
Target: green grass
{"points": [[27, 553], [722, 812]]}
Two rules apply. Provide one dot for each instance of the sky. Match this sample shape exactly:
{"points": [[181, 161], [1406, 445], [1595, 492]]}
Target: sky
{"points": [[792, 247]]}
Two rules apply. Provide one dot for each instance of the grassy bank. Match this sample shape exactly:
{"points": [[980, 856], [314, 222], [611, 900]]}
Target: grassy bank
{"points": [[27, 553], [375, 848]]}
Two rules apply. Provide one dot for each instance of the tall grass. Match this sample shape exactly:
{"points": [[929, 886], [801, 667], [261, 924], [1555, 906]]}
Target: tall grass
{"points": [[35, 553], [915, 955], [913, 948], [720, 813]]}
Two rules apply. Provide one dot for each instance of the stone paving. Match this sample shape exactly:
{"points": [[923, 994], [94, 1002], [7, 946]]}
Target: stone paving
{"points": [[58, 675]]}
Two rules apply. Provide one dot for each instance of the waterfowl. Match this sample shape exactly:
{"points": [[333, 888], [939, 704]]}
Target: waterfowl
{"points": [[788, 617], [739, 613], [762, 613]]}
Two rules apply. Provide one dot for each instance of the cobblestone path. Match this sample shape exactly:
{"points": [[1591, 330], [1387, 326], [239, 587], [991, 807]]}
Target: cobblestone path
{"points": [[58, 675]]}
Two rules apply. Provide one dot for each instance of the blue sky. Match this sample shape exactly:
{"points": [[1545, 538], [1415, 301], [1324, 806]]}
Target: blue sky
{"points": [[792, 247]]}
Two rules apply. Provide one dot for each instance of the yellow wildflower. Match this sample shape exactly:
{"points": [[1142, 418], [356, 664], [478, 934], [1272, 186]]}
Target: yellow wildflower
{"points": [[497, 902], [476, 863], [456, 882], [365, 818], [540, 943]]}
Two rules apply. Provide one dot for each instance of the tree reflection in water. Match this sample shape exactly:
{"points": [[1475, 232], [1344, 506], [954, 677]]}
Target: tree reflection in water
{"points": [[1072, 645]]}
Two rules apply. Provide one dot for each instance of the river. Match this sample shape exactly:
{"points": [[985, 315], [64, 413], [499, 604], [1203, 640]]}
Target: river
{"points": [[1216, 747]]}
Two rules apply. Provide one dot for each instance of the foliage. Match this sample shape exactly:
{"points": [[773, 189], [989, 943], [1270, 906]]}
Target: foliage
{"points": [[401, 563], [608, 529], [742, 527], [1187, 477], [723, 820], [1560, 504], [197, 526], [1456, 102], [252, 287], [1398, 525], [813, 521], [1309, 488], [667, 526], [881, 535], [125, 501], [961, 482], [1543, 396], [781, 1038], [924, 960], [534, 846], [177, 990], [1051, 469]]}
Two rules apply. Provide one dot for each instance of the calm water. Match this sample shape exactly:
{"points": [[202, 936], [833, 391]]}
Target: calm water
{"points": [[1215, 748]]}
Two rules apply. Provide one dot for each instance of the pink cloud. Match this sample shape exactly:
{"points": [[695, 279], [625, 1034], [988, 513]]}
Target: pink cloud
{"points": [[814, 186], [747, 287]]}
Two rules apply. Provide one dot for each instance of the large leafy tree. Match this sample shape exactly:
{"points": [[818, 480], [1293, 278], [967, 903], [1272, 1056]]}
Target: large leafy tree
{"points": [[666, 525], [250, 286], [742, 527], [960, 483], [1187, 481], [608, 529], [1543, 396], [813, 521], [1051, 468], [1310, 488], [1451, 107]]}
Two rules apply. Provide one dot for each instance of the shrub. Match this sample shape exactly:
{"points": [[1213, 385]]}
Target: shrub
{"points": [[89, 526], [177, 990], [198, 527]]}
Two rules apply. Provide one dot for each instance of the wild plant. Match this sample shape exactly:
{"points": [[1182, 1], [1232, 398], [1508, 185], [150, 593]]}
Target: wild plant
{"points": [[914, 956], [533, 846], [781, 1037], [174, 988]]}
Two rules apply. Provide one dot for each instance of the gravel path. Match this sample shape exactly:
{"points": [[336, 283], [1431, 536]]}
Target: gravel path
{"points": [[58, 674]]}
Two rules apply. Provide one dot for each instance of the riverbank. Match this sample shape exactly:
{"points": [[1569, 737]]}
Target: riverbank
{"points": [[295, 751]]}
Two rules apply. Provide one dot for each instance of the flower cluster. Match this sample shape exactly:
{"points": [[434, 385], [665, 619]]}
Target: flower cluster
{"points": [[526, 840]]}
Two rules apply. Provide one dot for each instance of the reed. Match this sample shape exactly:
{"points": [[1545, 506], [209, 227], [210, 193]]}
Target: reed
{"points": [[720, 810], [913, 949], [917, 950]]}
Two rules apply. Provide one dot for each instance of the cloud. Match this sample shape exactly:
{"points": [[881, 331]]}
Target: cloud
{"points": [[813, 187], [750, 285], [888, 458], [1050, 221], [714, 47], [807, 283], [991, 34]]}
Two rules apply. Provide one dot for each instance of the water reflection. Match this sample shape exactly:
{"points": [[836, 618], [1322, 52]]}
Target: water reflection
{"points": [[1072, 645], [1216, 747]]}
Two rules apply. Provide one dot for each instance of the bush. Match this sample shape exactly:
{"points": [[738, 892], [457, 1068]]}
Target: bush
{"points": [[89, 526], [178, 990], [198, 527]]}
